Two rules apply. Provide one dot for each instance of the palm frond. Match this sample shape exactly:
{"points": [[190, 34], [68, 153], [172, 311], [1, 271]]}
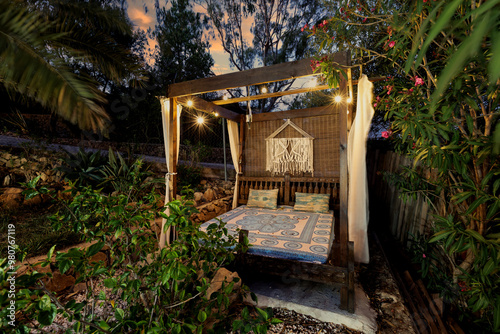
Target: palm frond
{"points": [[28, 67]]}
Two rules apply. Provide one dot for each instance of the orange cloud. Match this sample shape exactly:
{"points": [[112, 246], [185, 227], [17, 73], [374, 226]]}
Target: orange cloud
{"points": [[139, 18]]}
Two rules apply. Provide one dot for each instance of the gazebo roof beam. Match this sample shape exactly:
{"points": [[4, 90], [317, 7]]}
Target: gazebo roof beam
{"points": [[209, 107], [283, 93], [255, 76]]}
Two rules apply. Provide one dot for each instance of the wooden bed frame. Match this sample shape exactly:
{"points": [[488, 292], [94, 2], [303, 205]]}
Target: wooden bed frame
{"points": [[330, 178], [335, 271]]}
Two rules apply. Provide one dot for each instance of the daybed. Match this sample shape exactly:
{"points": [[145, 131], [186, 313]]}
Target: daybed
{"points": [[286, 241]]}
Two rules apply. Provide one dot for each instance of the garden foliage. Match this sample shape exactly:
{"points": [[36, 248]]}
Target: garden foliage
{"points": [[149, 290], [440, 100]]}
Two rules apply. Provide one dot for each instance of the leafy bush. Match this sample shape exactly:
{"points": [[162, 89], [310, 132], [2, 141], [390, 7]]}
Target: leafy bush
{"points": [[441, 101], [84, 167], [164, 291], [124, 177]]}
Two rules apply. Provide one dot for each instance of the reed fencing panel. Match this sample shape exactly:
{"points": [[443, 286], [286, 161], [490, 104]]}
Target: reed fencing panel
{"points": [[405, 217]]}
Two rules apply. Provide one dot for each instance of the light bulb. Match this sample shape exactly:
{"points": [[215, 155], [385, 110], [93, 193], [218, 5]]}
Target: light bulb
{"points": [[338, 98]]}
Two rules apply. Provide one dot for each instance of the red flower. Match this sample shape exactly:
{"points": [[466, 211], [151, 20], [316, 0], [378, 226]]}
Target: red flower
{"points": [[364, 20], [391, 44], [418, 81]]}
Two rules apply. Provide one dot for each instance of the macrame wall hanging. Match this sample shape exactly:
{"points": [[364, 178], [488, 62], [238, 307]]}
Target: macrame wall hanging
{"points": [[293, 155]]}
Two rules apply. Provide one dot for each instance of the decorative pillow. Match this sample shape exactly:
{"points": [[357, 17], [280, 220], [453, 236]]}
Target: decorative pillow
{"points": [[266, 199], [312, 202]]}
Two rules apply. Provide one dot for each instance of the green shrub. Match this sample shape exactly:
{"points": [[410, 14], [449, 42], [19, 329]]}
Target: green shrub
{"points": [[164, 291], [84, 167]]}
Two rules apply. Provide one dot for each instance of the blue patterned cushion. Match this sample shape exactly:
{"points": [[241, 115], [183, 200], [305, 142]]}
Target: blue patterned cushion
{"points": [[265, 199], [312, 202]]}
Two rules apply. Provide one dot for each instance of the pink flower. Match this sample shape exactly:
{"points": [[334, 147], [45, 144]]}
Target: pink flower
{"points": [[375, 105], [410, 90], [391, 44], [424, 256], [325, 22], [364, 20], [378, 98], [386, 134], [418, 81]]}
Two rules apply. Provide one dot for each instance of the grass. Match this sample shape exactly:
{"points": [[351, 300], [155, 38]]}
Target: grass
{"points": [[33, 231]]}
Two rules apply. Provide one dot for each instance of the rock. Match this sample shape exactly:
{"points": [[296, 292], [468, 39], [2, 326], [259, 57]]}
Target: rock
{"points": [[13, 163], [11, 198], [37, 200], [99, 257], [80, 287], [209, 195], [44, 177], [8, 180], [198, 197], [59, 282], [211, 207], [223, 275]]}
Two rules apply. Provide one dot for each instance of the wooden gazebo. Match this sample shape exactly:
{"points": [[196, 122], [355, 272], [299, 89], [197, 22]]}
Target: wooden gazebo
{"points": [[329, 126]]}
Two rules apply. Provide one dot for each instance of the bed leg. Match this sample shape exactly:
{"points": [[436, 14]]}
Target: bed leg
{"points": [[347, 292]]}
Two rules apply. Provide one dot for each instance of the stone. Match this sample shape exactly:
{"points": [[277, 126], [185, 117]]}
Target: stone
{"points": [[209, 195], [222, 275], [37, 200], [13, 163], [211, 207], [44, 177], [198, 197], [60, 282], [80, 287], [11, 198], [7, 181], [99, 257]]}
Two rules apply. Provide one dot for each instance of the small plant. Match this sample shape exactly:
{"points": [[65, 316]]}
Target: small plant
{"points": [[84, 167], [124, 177]]}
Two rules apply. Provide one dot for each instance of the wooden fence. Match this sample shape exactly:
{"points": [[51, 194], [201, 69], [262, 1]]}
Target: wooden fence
{"points": [[405, 217]]}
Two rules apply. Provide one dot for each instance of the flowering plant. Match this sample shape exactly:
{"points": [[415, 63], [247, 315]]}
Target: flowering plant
{"points": [[441, 100]]}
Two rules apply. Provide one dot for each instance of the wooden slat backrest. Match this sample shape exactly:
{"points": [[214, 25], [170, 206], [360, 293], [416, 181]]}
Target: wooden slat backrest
{"points": [[289, 186]]}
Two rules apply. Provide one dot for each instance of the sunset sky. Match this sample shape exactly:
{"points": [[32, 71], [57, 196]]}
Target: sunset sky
{"points": [[144, 20]]}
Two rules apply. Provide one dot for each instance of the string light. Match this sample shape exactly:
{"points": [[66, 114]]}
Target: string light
{"points": [[200, 120], [349, 99], [338, 98], [263, 90], [216, 114], [190, 103]]}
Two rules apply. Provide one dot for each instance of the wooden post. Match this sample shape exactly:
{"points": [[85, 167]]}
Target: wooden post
{"points": [[242, 143], [350, 94], [344, 180]]}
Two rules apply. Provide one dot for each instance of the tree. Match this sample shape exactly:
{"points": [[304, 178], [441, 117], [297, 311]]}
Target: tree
{"points": [[54, 52], [182, 53], [442, 105], [276, 30]]}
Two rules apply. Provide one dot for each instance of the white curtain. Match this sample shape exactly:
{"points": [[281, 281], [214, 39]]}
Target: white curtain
{"points": [[234, 143], [167, 141], [358, 182]]}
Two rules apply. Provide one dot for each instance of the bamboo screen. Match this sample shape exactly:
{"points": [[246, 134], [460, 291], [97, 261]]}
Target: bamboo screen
{"points": [[324, 129]]}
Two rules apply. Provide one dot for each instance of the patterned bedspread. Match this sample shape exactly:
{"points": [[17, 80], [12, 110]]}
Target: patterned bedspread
{"points": [[282, 233]]}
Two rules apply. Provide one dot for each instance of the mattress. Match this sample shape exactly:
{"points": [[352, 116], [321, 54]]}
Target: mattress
{"points": [[282, 233]]}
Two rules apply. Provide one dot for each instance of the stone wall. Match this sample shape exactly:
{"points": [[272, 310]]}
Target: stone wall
{"points": [[15, 169]]}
